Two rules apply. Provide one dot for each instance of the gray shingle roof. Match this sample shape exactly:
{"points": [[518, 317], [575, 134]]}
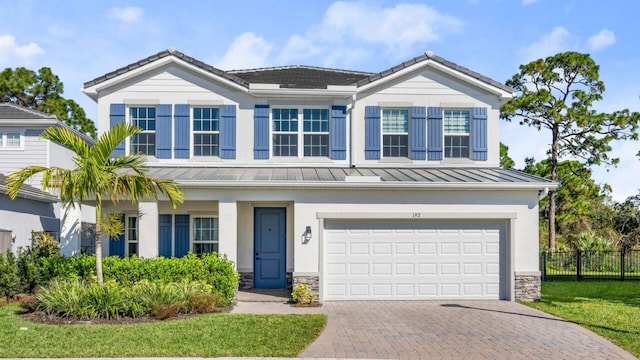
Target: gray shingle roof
{"points": [[17, 112], [28, 192], [10, 111], [440, 60], [392, 177], [300, 77]]}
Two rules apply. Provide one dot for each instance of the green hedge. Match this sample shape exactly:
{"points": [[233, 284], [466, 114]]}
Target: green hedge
{"points": [[30, 269]]}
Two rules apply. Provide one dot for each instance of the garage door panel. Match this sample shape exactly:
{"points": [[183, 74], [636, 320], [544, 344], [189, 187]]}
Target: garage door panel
{"points": [[412, 260]]}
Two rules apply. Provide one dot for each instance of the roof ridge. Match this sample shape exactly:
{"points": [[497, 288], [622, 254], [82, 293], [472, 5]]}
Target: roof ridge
{"points": [[310, 67], [28, 110]]}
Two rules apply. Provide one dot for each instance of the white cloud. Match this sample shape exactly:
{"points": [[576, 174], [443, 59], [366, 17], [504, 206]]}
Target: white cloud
{"points": [[601, 40], [58, 31], [247, 51], [12, 54], [529, 2], [349, 31], [558, 40], [129, 14]]}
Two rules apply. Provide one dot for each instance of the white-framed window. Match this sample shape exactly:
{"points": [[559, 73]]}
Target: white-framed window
{"points": [[395, 132], [284, 132], [11, 140], [145, 118], [456, 133], [287, 134], [205, 234], [131, 237], [206, 131], [316, 132]]}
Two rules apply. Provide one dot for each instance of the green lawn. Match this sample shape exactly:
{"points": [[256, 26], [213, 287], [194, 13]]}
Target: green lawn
{"points": [[608, 308], [211, 335]]}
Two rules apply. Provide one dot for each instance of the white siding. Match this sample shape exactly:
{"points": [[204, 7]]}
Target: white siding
{"points": [[34, 152]]}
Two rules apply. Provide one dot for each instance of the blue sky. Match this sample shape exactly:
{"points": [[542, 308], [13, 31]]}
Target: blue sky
{"points": [[81, 40]]}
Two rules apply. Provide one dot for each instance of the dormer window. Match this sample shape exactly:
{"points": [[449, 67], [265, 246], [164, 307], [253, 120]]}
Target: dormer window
{"points": [[456, 133], [395, 132], [144, 142]]}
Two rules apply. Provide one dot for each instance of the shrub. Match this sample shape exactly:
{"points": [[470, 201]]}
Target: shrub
{"points": [[302, 295], [205, 303], [167, 310], [9, 281]]}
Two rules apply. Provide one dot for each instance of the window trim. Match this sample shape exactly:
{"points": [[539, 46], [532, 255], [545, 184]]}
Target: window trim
{"points": [[300, 133], [127, 239], [129, 121], [193, 132], [192, 222], [383, 133], [445, 134], [3, 140]]}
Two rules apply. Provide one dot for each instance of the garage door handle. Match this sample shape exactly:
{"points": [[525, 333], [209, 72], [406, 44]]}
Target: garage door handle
{"points": [[257, 258]]}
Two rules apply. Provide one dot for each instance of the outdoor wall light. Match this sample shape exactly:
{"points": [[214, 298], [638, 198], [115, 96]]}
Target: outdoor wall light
{"points": [[307, 235]]}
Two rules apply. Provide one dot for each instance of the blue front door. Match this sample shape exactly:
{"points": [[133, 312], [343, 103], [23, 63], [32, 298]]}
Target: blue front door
{"points": [[270, 239]]}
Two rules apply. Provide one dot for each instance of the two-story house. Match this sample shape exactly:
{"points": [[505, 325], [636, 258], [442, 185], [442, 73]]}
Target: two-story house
{"points": [[35, 210], [365, 185]]}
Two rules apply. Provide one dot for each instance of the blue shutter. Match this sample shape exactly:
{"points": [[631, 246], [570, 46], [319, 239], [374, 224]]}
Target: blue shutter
{"points": [[163, 131], [372, 132], [181, 124], [181, 235], [338, 133], [116, 246], [228, 132], [164, 235], [434, 133], [261, 132], [418, 133], [479, 134], [117, 115]]}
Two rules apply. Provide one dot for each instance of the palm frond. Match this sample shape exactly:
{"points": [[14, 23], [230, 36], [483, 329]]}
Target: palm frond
{"points": [[108, 141], [66, 138], [137, 187], [52, 178]]}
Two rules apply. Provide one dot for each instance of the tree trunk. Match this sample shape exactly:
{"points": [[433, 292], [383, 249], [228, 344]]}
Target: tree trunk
{"points": [[552, 220], [98, 242], [552, 194]]}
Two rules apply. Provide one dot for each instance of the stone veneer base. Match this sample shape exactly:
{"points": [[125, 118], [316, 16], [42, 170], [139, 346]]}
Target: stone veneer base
{"points": [[246, 280], [527, 287]]}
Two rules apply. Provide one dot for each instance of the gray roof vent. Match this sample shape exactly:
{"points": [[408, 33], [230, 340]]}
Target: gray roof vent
{"points": [[429, 53]]}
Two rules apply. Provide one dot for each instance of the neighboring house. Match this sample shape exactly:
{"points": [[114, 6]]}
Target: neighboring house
{"points": [[366, 186], [35, 210]]}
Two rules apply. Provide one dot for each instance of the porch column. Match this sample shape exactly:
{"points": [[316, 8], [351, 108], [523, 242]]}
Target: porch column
{"points": [[148, 229], [228, 229], [70, 226]]}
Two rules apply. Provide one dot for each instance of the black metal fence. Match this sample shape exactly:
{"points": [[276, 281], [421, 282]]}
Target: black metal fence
{"points": [[587, 265]]}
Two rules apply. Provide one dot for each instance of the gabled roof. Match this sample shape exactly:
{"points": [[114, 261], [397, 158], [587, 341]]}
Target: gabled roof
{"points": [[430, 56], [28, 192], [354, 178], [163, 54], [17, 113], [300, 77]]}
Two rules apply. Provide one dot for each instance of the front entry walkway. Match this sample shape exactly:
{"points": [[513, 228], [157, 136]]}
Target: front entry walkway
{"points": [[453, 330]]}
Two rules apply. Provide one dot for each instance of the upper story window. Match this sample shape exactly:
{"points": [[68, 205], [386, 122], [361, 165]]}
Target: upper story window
{"points": [[316, 132], [10, 140], [285, 132], [395, 132], [132, 235], [144, 142], [205, 234], [206, 131], [456, 133]]}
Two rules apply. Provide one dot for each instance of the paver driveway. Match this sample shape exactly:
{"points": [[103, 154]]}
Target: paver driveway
{"points": [[453, 330]]}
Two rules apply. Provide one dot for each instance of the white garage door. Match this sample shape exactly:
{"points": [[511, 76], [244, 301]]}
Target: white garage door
{"points": [[412, 260]]}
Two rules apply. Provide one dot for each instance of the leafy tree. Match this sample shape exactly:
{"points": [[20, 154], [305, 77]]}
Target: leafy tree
{"points": [[505, 161], [627, 221], [557, 94], [579, 197], [98, 176], [42, 91]]}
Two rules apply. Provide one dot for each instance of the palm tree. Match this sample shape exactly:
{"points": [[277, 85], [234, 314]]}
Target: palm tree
{"points": [[98, 176]]}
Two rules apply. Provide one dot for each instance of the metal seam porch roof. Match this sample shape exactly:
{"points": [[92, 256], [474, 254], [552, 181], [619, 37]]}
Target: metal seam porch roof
{"points": [[335, 177]]}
